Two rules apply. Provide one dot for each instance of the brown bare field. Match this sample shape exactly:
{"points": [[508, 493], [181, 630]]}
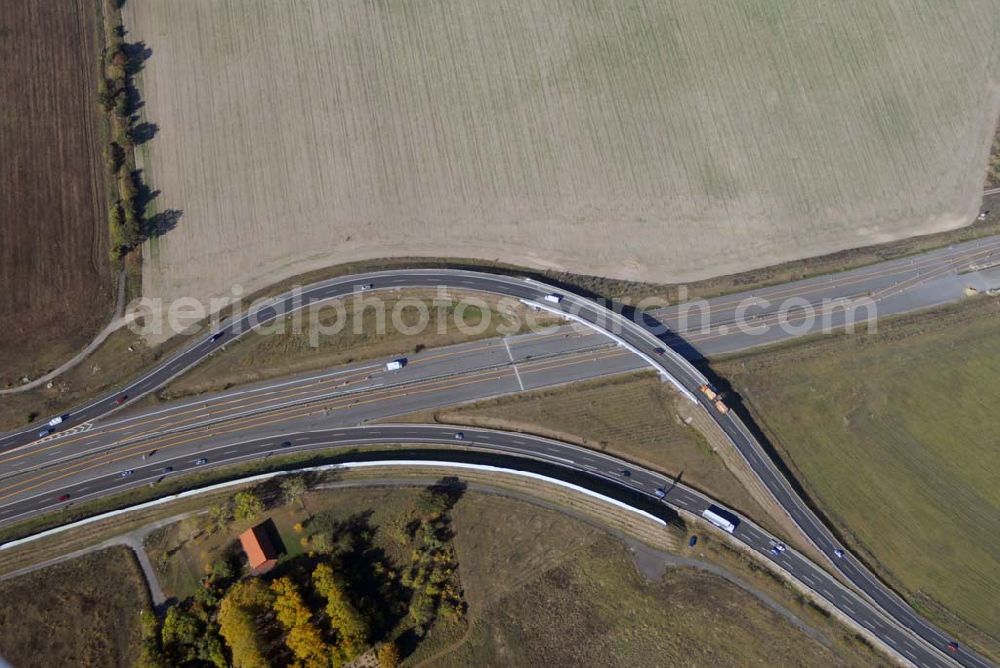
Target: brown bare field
{"points": [[56, 288], [83, 612], [639, 140]]}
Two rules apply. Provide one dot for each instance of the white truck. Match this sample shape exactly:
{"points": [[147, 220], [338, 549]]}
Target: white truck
{"points": [[554, 298], [395, 365], [718, 517]]}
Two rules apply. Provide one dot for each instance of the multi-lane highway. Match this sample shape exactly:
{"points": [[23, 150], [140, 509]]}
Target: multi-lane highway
{"points": [[934, 280], [694, 328], [604, 474]]}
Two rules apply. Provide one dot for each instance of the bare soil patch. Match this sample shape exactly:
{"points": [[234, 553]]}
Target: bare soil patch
{"points": [[641, 140], [56, 288]]}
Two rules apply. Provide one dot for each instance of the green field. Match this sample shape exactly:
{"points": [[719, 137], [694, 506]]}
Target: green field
{"points": [[896, 437]]}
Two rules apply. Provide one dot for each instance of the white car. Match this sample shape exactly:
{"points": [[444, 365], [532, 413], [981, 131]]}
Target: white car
{"points": [[56, 420]]}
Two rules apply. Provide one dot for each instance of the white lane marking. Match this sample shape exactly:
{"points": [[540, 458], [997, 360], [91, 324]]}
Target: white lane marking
{"points": [[517, 374]]}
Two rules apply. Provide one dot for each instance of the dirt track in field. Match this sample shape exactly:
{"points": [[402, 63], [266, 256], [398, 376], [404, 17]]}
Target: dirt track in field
{"points": [[55, 281], [648, 140]]}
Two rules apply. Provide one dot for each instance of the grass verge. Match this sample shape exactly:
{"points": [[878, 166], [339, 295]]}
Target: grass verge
{"points": [[83, 612], [894, 436]]}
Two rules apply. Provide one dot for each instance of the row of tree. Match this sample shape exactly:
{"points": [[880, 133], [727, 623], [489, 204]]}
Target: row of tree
{"points": [[118, 96]]}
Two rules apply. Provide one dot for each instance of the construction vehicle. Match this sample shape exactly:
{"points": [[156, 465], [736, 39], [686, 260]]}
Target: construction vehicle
{"points": [[709, 392]]}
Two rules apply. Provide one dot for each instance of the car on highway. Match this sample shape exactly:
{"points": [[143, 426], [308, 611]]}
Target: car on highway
{"points": [[122, 399], [201, 462], [459, 436], [953, 647], [45, 432], [215, 337], [363, 287], [126, 473], [56, 420], [660, 492], [286, 444], [554, 298], [168, 469], [396, 364], [62, 497], [626, 473], [838, 553], [777, 548]]}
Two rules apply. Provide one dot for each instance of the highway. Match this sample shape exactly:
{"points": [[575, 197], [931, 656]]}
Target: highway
{"points": [[594, 470], [896, 286]]}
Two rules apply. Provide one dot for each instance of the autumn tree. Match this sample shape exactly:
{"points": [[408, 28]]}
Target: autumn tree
{"points": [[247, 505], [351, 626], [303, 638], [220, 516], [189, 639], [388, 655], [293, 487], [242, 617], [150, 654]]}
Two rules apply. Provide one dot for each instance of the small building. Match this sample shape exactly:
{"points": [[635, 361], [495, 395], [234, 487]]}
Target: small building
{"points": [[261, 554]]}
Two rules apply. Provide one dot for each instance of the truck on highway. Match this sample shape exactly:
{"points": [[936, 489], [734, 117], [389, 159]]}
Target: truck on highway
{"points": [[709, 392], [395, 365], [554, 298], [723, 519], [721, 407]]}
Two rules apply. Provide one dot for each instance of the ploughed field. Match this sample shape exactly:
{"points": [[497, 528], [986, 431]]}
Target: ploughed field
{"points": [[643, 139], [55, 284]]}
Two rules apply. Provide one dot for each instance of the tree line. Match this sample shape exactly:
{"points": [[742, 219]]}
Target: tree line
{"points": [[119, 100]]}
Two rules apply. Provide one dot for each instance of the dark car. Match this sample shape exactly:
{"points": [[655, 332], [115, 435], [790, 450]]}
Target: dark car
{"points": [[122, 399], [953, 647], [168, 469], [626, 473], [693, 541], [63, 497], [286, 444], [216, 336], [45, 432]]}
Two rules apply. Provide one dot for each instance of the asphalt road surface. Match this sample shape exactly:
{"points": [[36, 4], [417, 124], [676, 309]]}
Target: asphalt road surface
{"points": [[638, 487], [770, 314], [898, 286]]}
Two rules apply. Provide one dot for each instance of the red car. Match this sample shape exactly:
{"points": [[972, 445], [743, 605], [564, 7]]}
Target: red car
{"points": [[120, 400], [63, 497], [953, 647]]}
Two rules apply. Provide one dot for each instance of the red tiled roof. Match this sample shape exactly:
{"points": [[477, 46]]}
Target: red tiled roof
{"points": [[257, 546]]}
